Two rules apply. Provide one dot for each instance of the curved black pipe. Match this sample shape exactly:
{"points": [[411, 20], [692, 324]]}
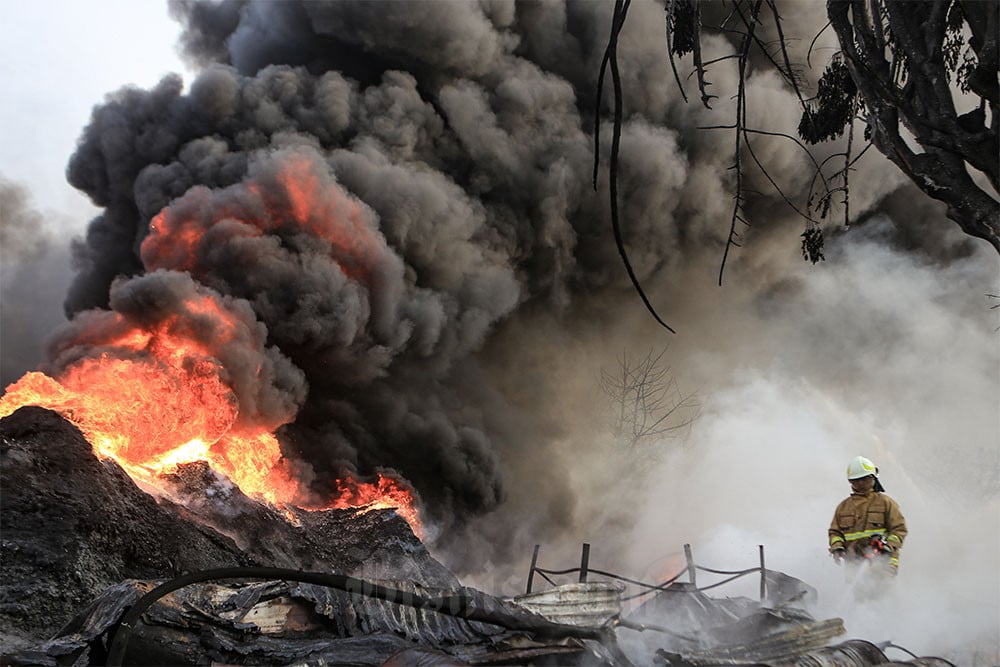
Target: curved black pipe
{"points": [[454, 605]]}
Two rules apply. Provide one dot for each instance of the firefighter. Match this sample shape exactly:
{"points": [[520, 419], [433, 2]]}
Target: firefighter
{"points": [[867, 525]]}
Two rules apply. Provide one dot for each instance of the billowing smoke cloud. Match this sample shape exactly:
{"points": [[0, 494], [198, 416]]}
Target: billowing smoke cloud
{"points": [[444, 303], [880, 353], [381, 218]]}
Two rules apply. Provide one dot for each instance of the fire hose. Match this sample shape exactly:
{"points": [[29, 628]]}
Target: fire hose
{"points": [[458, 605]]}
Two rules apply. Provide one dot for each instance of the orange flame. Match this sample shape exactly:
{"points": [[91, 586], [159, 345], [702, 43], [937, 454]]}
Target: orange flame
{"points": [[384, 493], [299, 199], [156, 397], [665, 568], [150, 417]]}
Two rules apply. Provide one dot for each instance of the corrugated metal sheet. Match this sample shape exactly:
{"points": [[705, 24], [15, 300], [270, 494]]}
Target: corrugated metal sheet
{"points": [[852, 653], [783, 648], [589, 604]]}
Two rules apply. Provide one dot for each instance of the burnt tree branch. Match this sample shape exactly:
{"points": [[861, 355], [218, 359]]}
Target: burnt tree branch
{"points": [[923, 105]]}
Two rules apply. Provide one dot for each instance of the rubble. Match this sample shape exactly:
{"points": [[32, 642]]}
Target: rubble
{"points": [[73, 525], [285, 622], [97, 571]]}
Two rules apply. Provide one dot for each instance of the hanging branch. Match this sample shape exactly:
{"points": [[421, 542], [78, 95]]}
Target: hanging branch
{"points": [[849, 162], [788, 72], [813, 43], [611, 59], [600, 92], [670, 10], [699, 67], [812, 237], [731, 240], [763, 170], [684, 36], [819, 172], [847, 172]]}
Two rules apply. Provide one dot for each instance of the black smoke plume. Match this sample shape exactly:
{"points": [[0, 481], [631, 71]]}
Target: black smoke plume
{"points": [[415, 313], [440, 145]]}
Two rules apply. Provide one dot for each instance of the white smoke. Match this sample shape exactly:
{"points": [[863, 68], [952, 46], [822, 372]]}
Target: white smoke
{"points": [[874, 353]]}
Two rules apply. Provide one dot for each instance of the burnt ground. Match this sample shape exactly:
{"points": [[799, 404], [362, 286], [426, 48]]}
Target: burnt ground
{"points": [[72, 525]]}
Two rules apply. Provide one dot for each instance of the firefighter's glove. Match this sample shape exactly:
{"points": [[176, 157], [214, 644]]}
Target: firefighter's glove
{"points": [[838, 555]]}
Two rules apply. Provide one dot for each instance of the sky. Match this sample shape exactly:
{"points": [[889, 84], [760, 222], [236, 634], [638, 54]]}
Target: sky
{"points": [[60, 58], [881, 350]]}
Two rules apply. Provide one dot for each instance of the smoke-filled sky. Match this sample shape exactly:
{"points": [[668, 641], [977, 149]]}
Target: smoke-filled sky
{"points": [[398, 195]]}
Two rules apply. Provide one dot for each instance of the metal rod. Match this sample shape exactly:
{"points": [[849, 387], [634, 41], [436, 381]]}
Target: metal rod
{"points": [[584, 562], [531, 570], [691, 566], [763, 573]]}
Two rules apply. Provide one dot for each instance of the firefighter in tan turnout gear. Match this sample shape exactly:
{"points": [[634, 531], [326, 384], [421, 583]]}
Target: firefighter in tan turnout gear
{"points": [[867, 525]]}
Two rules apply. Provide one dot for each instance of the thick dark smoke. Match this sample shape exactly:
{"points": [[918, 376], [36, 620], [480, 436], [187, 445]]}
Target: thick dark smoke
{"points": [[456, 165], [444, 306]]}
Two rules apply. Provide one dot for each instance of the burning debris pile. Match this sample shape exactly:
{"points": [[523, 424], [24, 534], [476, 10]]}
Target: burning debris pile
{"points": [[73, 525], [85, 548]]}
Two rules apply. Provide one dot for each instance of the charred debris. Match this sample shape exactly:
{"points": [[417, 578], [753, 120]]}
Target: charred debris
{"points": [[98, 572]]}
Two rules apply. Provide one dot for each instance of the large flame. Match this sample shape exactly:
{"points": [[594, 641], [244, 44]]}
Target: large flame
{"points": [[150, 416], [153, 395]]}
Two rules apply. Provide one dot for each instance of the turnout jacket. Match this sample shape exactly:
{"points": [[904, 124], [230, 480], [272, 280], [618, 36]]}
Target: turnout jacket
{"points": [[858, 517]]}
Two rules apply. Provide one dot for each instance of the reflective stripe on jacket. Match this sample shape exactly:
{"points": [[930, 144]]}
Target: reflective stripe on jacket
{"points": [[858, 517]]}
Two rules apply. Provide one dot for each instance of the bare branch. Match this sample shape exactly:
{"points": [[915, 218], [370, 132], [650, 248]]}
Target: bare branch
{"points": [[648, 404], [611, 58], [740, 124], [699, 66], [668, 9], [813, 43], [847, 172], [788, 72]]}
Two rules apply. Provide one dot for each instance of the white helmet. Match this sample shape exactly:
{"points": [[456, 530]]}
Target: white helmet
{"points": [[860, 467]]}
